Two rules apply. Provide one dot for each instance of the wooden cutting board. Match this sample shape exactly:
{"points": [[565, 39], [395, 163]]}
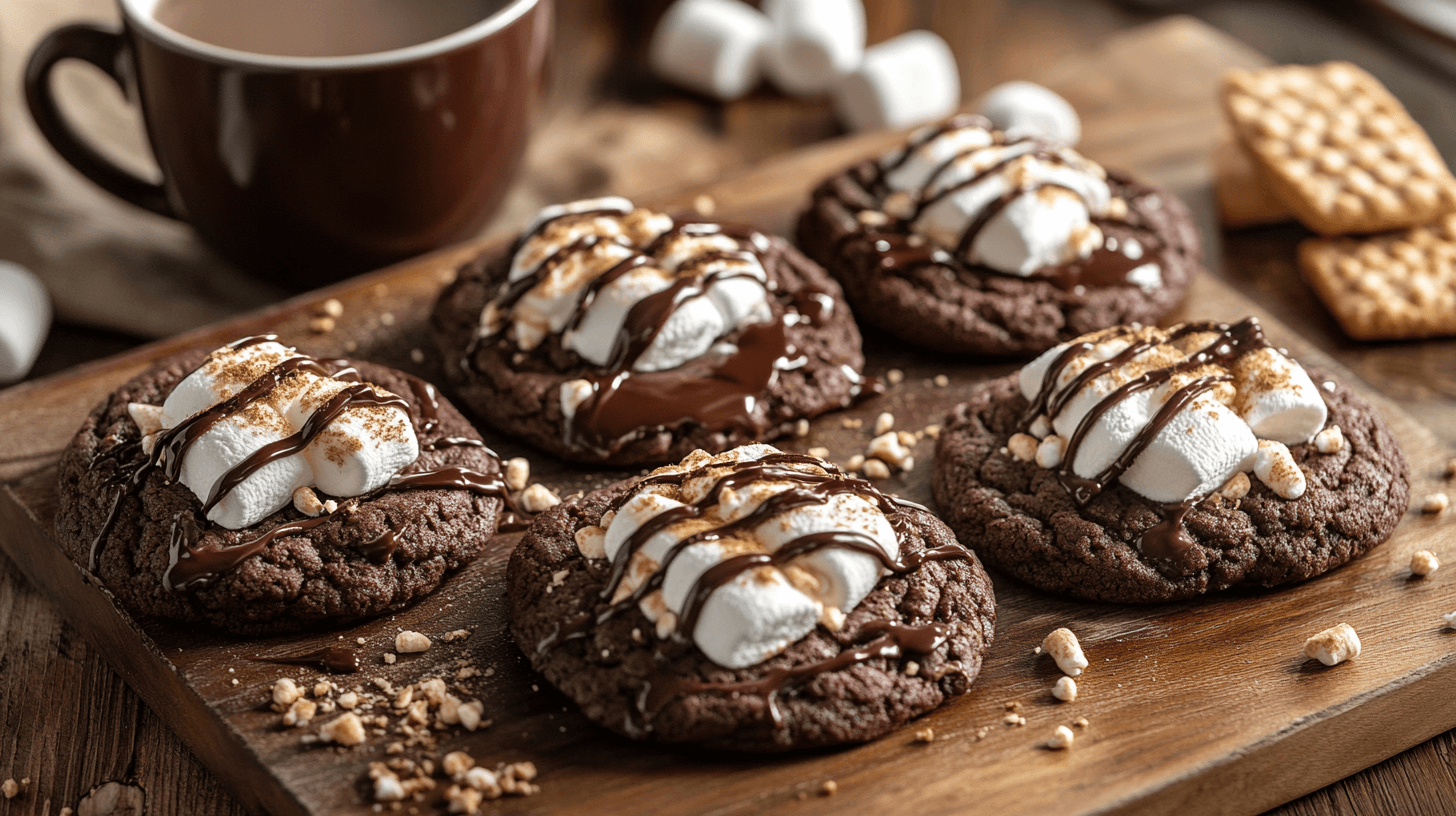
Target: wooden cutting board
{"points": [[1205, 707]]}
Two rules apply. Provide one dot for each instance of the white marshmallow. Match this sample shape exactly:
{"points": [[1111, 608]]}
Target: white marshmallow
{"points": [[762, 611], [814, 43], [573, 394], [1049, 226], [25, 317], [224, 373], [1025, 107], [1276, 468], [915, 169], [596, 335], [362, 448], [737, 299], [1277, 398], [228, 443], [148, 418], [1206, 444], [911, 78], [688, 333], [359, 451], [714, 47]]}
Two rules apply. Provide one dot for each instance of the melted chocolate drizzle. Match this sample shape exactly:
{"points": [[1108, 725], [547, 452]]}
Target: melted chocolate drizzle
{"points": [[718, 390], [332, 659], [811, 489], [192, 565], [1166, 543]]}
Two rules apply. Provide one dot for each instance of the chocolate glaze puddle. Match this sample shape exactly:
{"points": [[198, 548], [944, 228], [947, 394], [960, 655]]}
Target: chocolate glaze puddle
{"points": [[810, 489], [332, 659], [192, 565], [1167, 543], [721, 389]]}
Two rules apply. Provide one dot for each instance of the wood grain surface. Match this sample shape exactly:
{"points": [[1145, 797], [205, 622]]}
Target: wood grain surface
{"points": [[1206, 707]]}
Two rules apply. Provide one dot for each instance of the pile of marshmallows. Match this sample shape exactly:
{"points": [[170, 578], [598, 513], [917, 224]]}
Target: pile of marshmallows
{"points": [[810, 47]]}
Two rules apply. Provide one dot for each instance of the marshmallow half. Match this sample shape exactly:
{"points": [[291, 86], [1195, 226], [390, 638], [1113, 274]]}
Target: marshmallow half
{"points": [[761, 611], [909, 79], [1025, 107], [814, 43], [359, 451], [1215, 436], [603, 235], [714, 47]]}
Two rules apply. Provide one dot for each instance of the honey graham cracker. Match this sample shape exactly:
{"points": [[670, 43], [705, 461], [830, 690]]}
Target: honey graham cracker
{"points": [[1337, 148], [1388, 287]]}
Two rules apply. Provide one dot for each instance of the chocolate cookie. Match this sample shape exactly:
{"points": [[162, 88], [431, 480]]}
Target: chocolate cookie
{"points": [[1023, 521], [146, 539], [943, 297], [795, 354], [914, 641]]}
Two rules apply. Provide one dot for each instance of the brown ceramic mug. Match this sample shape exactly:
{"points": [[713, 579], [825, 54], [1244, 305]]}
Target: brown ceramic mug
{"points": [[309, 169]]}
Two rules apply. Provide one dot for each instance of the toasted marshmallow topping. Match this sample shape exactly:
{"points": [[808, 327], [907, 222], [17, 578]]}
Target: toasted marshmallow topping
{"points": [[1014, 203], [357, 451], [1197, 404], [759, 611], [582, 267]]}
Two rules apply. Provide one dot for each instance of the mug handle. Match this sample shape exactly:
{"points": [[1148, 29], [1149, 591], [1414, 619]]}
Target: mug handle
{"points": [[104, 49]]}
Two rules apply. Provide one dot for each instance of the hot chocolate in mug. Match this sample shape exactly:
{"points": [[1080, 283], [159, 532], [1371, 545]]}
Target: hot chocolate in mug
{"points": [[311, 140]]}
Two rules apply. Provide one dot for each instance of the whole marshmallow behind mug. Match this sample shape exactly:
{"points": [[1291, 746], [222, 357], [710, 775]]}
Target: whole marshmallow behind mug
{"points": [[909, 79]]}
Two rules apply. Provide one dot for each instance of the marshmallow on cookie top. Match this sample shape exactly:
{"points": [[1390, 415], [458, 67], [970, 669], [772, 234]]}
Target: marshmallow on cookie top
{"points": [[1173, 414], [580, 268], [366, 441], [1013, 203], [740, 508]]}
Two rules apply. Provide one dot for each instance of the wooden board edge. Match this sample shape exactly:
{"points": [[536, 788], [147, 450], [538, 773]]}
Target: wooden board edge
{"points": [[133, 655], [1337, 742]]}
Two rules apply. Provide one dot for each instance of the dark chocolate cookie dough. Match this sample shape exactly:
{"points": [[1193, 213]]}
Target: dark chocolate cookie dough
{"points": [[1022, 520], [518, 392], [963, 309], [610, 671], [395, 547]]}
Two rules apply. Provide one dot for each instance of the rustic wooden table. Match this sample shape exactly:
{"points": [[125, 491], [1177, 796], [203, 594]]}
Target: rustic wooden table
{"points": [[606, 128]]}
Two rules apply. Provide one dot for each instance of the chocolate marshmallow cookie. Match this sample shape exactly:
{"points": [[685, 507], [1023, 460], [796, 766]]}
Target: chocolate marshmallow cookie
{"points": [[1138, 465], [620, 335], [968, 240], [754, 600], [262, 490]]}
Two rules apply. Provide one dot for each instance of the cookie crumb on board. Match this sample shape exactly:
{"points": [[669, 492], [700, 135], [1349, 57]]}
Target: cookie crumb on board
{"points": [[10, 788], [1435, 503], [1334, 645], [1423, 563], [1065, 690], [1062, 645], [829, 788], [518, 474], [409, 642], [884, 422], [925, 735], [1061, 739], [538, 498]]}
